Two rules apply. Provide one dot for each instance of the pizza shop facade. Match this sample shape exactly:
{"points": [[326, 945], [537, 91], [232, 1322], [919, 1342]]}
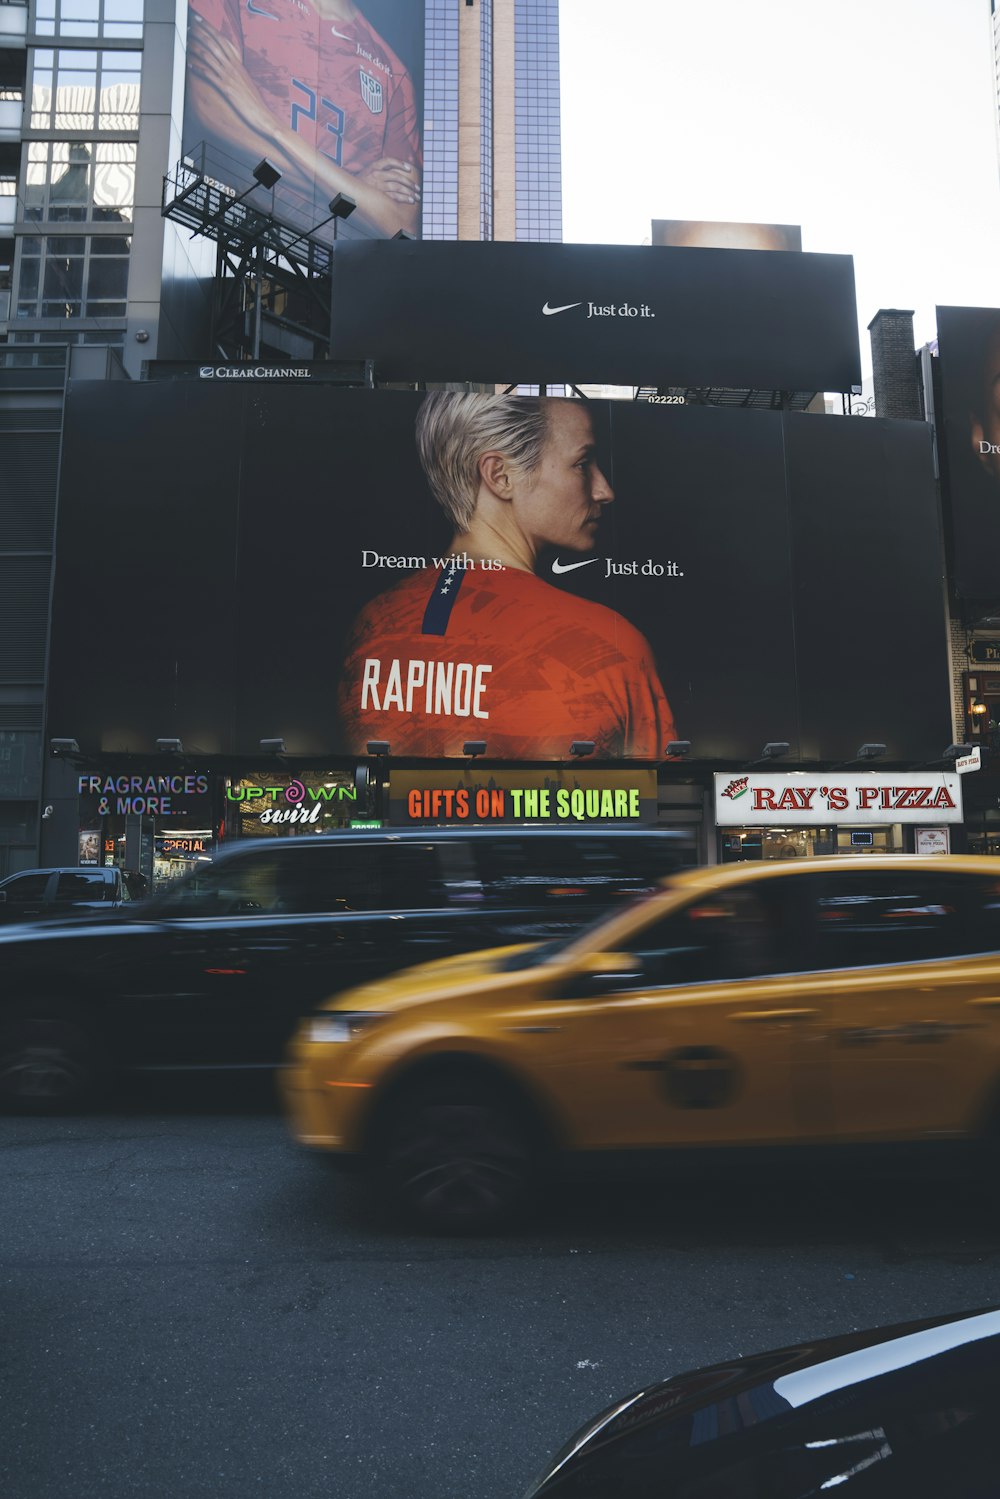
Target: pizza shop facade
{"points": [[807, 815]]}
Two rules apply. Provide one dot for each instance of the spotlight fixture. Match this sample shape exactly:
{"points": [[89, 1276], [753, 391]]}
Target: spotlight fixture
{"points": [[775, 749], [955, 751], [871, 751], [678, 749], [272, 746], [265, 174], [378, 747], [581, 747], [169, 746], [474, 747], [63, 747], [402, 234], [341, 206]]}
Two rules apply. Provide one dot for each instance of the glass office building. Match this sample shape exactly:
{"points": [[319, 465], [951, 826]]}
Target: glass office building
{"points": [[492, 164], [90, 124]]}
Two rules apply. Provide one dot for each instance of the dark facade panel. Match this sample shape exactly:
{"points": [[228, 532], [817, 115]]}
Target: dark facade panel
{"points": [[24, 610], [969, 433], [29, 464]]}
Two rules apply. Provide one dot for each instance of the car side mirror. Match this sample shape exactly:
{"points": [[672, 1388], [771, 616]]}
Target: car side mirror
{"points": [[604, 973]]}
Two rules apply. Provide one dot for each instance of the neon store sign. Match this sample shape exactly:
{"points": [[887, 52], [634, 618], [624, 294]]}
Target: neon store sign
{"points": [[140, 795]]}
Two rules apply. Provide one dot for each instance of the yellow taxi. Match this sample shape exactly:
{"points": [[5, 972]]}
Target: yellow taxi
{"points": [[837, 1001]]}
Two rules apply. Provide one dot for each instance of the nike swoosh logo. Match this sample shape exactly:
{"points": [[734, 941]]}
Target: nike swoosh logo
{"points": [[255, 10], [568, 567], [548, 311], [341, 34]]}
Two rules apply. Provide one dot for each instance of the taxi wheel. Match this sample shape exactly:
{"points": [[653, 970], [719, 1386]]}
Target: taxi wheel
{"points": [[455, 1156], [46, 1067]]}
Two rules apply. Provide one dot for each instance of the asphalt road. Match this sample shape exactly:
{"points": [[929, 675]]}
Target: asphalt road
{"points": [[190, 1307]]}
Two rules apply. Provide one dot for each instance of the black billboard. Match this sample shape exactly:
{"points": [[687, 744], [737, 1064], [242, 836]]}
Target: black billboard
{"points": [[531, 313], [969, 433], [333, 101], [284, 562]]}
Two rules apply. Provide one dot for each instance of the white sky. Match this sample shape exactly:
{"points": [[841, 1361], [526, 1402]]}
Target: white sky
{"points": [[869, 122]]}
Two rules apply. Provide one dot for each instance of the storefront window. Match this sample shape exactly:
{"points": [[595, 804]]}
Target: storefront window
{"points": [[741, 844]]}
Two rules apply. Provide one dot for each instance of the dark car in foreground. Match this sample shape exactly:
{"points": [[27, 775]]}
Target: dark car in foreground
{"points": [[216, 971], [905, 1412]]}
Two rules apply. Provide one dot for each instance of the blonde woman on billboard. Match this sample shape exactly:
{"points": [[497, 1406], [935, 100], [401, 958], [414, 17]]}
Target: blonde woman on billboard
{"points": [[478, 646], [313, 87]]}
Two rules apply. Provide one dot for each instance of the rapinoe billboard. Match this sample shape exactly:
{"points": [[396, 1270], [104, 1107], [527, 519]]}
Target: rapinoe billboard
{"points": [[334, 567]]}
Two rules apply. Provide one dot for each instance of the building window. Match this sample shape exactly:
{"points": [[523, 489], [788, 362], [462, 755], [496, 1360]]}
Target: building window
{"points": [[536, 117], [486, 121], [440, 202], [73, 276], [89, 18], [77, 90], [46, 348], [76, 181]]}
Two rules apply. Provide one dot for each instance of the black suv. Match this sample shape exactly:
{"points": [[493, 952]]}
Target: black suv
{"points": [[217, 970]]}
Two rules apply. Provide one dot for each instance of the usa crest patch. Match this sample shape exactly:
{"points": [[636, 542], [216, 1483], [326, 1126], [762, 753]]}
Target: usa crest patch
{"points": [[371, 92]]}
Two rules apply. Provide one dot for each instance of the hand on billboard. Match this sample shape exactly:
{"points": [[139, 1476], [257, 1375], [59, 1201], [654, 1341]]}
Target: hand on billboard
{"points": [[218, 62], [399, 180]]}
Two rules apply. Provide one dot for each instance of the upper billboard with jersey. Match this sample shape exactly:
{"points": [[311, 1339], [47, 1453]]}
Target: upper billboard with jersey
{"points": [[620, 314], [336, 567], [716, 234], [969, 353], [331, 94]]}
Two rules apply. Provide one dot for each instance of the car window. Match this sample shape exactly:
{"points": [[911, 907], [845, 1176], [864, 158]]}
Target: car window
{"points": [[231, 887], [883, 916], [563, 871], [722, 935], [83, 884], [26, 887], [360, 877]]}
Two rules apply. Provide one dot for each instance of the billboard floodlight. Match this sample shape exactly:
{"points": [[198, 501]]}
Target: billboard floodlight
{"points": [[267, 175]]}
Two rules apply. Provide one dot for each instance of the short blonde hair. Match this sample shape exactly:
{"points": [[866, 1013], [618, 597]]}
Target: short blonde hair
{"points": [[455, 429]]}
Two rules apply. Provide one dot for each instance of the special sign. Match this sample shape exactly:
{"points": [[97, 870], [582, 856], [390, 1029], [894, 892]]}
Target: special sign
{"points": [[795, 800]]}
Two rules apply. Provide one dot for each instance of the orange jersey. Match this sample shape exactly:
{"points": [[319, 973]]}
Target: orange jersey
{"points": [[336, 84], [454, 654]]}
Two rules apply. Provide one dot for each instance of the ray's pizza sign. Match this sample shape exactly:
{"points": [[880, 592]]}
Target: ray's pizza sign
{"points": [[795, 800]]}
